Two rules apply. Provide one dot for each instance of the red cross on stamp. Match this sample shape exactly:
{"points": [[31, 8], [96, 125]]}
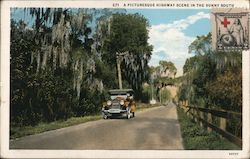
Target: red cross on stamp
{"points": [[225, 22]]}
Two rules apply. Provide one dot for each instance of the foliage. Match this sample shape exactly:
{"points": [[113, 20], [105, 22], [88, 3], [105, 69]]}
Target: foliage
{"points": [[226, 90], [212, 79], [47, 75], [168, 65], [21, 48], [201, 45], [162, 76], [164, 95], [190, 63], [165, 81], [63, 65], [107, 73], [128, 32], [149, 92], [197, 138]]}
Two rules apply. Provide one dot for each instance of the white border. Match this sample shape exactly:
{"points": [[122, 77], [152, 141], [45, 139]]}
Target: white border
{"points": [[120, 3], [5, 92]]}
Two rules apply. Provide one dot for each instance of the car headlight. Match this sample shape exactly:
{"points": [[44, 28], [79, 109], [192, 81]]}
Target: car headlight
{"points": [[122, 102], [109, 102]]}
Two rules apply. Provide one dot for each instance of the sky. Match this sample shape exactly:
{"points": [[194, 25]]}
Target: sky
{"points": [[171, 31]]}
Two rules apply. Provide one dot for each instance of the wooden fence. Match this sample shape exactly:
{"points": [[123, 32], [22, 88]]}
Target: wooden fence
{"points": [[205, 116]]}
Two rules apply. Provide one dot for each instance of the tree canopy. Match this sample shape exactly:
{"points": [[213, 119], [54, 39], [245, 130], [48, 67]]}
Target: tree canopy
{"points": [[69, 66], [212, 79], [128, 32]]}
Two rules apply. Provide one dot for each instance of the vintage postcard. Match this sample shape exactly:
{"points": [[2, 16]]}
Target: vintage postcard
{"points": [[125, 79]]}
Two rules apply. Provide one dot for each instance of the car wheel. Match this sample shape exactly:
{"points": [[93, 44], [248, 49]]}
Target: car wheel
{"points": [[105, 116], [133, 114], [128, 114]]}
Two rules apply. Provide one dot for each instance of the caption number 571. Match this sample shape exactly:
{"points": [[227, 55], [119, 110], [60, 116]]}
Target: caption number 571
{"points": [[115, 4]]}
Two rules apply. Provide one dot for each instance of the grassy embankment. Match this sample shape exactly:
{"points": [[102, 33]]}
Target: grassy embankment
{"points": [[198, 138], [17, 132]]}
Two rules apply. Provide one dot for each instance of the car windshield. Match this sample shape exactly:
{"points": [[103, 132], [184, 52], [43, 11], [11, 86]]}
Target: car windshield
{"points": [[114, 96]]}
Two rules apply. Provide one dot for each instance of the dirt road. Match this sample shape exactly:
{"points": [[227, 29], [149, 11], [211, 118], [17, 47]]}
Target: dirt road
{"points": [[152, 129]]}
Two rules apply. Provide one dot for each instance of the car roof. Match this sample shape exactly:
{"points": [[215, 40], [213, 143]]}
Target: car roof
{"points": [[121, 91]]}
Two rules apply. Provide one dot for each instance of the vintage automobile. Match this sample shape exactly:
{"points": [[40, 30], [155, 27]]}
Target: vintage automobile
{"points": [[121, 103]]}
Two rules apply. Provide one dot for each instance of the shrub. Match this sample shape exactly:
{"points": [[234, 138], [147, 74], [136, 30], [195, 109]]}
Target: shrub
{"points": [[198, 138]]}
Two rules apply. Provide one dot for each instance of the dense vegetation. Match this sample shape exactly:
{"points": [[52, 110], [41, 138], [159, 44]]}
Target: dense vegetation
{"points": [[198, 138], [213, 80], [63, 65], [161, 77]]}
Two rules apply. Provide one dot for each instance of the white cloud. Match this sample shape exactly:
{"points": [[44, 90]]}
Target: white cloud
{"points": [[170, 39]]}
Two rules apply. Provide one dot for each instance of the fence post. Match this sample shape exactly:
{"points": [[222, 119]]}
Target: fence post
{"points": [[223, 124], [209, 119]]}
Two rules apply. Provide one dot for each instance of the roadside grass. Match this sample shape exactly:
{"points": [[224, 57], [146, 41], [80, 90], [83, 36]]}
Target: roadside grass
{"points": [[197, 138], [17, 132]]}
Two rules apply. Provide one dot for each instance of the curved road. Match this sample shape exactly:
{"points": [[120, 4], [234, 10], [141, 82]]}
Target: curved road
{"points": [[152, 129]]}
